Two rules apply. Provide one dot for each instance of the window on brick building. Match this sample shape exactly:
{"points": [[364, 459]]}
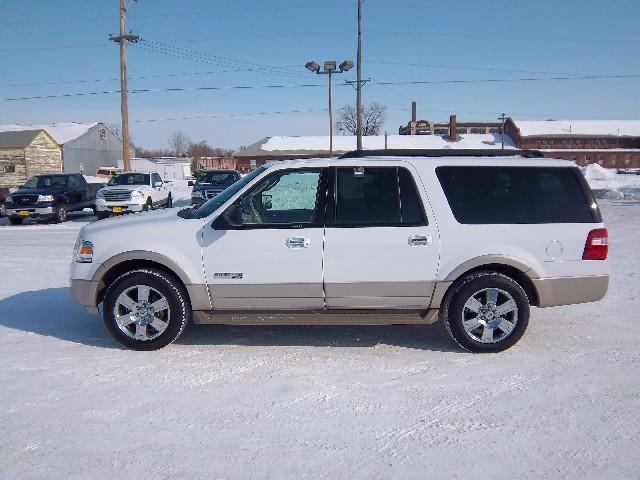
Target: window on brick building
{"points": [[9, 169]]}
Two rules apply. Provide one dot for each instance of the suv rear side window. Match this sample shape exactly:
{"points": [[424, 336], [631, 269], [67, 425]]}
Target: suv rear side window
{"points": [[519, 195], [376, 196]]}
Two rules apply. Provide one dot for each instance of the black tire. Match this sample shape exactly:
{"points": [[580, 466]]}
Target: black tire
{"points": [[15, 221], [147, 206], [102, 215], [169, 202], [454, 311], [94, 210], [60, 213], [178, 314]]}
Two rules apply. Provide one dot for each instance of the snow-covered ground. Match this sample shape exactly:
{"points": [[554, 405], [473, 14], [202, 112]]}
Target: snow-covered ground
{"points": [[313, 402]]}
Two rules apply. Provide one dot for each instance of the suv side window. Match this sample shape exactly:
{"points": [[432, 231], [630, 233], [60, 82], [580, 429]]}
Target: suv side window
{"points": [[73, 183], [512, 195], [285, 198], [376, 196], [155, 178]]}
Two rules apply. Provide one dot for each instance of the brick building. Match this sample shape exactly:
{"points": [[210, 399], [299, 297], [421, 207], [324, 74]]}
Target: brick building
{"points": [[610, 143], [427, 127]]}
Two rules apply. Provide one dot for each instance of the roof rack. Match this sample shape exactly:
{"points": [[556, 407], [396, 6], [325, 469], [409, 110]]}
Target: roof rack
{"points": [[443, 152]]}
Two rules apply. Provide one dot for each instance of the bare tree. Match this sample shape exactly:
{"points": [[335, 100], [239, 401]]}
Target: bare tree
{"points": [[373, 117], [179, 143]]}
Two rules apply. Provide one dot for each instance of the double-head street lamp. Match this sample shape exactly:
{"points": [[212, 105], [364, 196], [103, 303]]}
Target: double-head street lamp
{"points": [[329, 69]]}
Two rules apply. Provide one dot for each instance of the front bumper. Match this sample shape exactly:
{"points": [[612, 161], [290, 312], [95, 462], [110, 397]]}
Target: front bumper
{"points": [[30, 211], [85, 292], [108, 207]]}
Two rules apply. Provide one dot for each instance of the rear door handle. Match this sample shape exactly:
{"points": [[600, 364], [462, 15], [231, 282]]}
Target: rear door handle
{"points": [[417, 240], [298, 242]]}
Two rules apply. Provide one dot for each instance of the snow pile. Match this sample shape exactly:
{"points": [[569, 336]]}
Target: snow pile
{"points": [[346, 143], [594, 171], [605, 183]]}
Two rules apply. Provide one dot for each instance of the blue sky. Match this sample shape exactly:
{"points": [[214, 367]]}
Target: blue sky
{"points": [[53, 48]]}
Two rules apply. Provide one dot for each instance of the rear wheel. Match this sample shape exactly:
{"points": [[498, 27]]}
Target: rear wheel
{"points": [[15, 221], [102, 215], [146, 309], [486, 312]]}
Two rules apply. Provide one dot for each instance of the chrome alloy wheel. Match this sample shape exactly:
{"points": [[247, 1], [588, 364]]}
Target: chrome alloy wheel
{"points": [[141, 312], [490, 315]]}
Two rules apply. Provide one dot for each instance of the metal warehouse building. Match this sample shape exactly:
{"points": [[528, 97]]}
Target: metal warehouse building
{"points": [[85, 146]]}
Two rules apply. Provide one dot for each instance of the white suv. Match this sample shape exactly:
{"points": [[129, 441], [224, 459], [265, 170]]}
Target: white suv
{"points": [[472, 238]]}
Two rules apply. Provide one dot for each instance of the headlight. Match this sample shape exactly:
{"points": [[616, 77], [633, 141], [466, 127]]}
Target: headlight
{"points": [[84, 251], [137, 194], [45, 198], [197, 195], [8, 199], [100, 194]]}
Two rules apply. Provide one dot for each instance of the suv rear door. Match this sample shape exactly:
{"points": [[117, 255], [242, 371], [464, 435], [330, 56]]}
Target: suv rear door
{"points": [[272, 258], [381, 249]]}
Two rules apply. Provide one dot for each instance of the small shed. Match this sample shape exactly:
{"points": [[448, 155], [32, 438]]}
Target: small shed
{"points": [[85, 146], [26, 153]]}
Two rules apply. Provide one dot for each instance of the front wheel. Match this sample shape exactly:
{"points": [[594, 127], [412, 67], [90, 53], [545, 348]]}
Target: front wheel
{"points": [[169, 202], [486, 312], [15, 221], [146, 309], [60, 214]]}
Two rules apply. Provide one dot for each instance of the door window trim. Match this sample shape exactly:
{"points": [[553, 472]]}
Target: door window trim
{"points": [[331, 208], [319, 215]]}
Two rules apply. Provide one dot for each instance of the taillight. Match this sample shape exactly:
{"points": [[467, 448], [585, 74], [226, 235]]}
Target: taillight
{"points": [[597, 246]]}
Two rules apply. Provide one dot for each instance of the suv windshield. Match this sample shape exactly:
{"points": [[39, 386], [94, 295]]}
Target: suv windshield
{"points": [[129, 179], [213, 204], [218, 177], [46, 182]]}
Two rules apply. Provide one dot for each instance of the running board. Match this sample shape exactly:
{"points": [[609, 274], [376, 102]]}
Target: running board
{"points": [[328, 317]]}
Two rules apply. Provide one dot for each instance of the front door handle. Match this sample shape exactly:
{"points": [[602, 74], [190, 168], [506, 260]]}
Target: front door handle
{"points": [[298, 242], [417, 240]]}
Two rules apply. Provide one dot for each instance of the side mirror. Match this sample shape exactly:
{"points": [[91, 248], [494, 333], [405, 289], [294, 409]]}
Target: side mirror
{"points": [[267, 203], [157, 184]]}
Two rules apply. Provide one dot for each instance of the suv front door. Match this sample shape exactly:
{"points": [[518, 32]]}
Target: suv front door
{"points": [[265, 251], [381, 250]]}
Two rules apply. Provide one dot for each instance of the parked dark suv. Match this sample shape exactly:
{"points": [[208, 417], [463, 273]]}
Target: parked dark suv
{"points": [[210, 183]]}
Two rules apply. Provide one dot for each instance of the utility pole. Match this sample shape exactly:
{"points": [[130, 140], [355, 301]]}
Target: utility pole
{"points": [[122, 39], [503, 118], [359, 81]]}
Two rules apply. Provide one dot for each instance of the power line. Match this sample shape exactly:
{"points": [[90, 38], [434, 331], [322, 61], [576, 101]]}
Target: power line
{"points": [[230, 115], [458, 67], [310, 85]]}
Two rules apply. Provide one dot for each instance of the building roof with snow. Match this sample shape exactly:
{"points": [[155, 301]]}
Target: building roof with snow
{"points": [[614, 128], [60, 132], [306, 146]]}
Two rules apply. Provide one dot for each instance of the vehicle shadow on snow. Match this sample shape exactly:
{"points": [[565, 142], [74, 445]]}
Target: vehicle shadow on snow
{"points": [[52, 312]]}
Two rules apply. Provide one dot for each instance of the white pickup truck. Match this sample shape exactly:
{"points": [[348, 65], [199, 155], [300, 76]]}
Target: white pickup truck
{"points": [[133, 192]]}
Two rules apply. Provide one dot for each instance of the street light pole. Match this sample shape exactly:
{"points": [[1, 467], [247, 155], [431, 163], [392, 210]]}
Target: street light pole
{"points": [[330, 120], [329, 69]]}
